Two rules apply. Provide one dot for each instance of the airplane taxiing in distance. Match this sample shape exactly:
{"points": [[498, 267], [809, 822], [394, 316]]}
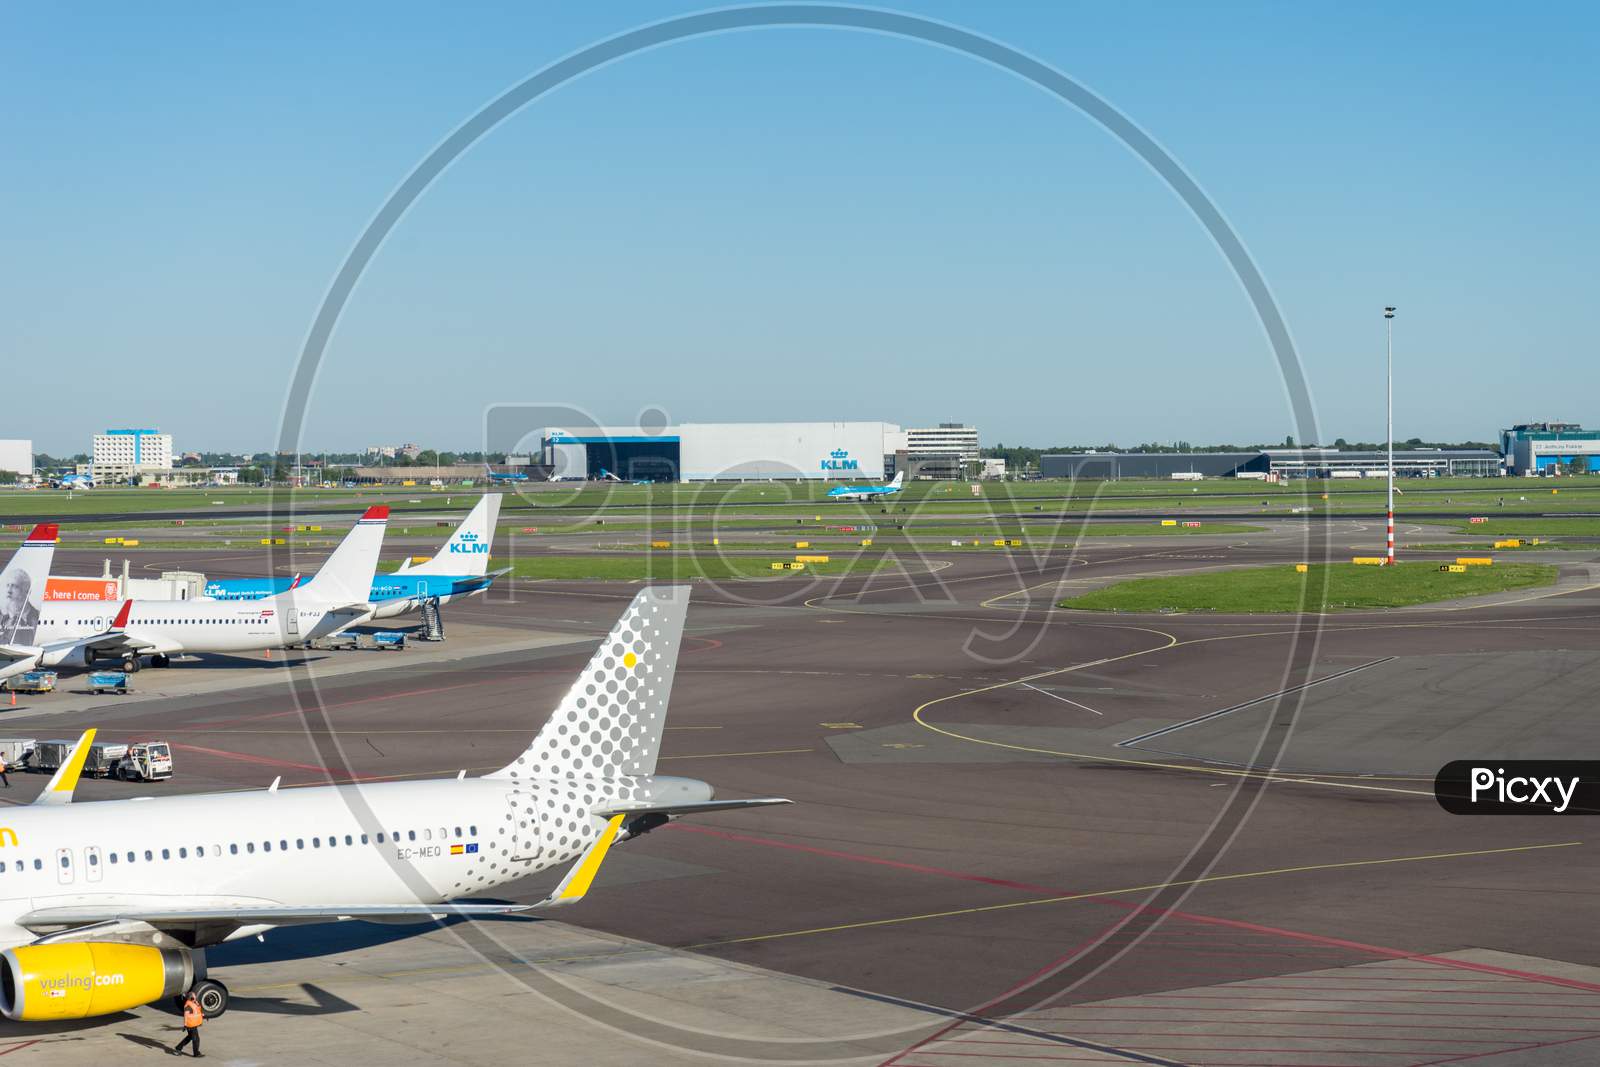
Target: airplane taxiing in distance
{"points": [[867, 492], [109, 905]]}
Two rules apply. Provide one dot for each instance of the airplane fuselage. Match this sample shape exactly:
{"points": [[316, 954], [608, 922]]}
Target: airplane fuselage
{"points": [[373, 844], [166, 626], [393, 594]]}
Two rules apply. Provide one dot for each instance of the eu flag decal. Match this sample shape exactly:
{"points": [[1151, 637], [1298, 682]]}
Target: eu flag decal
{"points": [[472, 848]]}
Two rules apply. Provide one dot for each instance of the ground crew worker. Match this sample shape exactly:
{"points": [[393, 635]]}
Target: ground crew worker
{"points": [[193, 1018], [4, 777]]}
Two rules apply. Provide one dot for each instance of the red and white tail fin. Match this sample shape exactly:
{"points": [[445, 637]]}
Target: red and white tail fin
{"points": [[346, 577], [22, 585]]}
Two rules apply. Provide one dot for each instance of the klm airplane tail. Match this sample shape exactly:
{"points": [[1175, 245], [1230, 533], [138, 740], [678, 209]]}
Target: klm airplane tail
{"points": [[899, 476], [346, 576], [467, 552], [609, 724]]}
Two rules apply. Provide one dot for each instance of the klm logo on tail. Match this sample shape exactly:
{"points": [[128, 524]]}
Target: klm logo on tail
{"points": [[468, 544]]}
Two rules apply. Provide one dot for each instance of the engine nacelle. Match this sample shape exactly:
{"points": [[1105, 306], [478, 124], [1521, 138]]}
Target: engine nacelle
{"points": [[77, 979]]}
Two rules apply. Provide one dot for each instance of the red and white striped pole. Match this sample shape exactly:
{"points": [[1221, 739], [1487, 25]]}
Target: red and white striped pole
{"points": [[1388, 328]]}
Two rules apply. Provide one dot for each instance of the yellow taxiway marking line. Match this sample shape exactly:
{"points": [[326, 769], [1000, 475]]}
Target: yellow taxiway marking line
{"points": [[1154, 886], [1296, 778]]}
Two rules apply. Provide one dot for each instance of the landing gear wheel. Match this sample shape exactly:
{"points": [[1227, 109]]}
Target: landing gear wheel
{"points": [[133, 665], [213, 997], [162, 660]]}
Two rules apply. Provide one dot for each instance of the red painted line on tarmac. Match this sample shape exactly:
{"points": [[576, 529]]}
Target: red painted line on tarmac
{"points": [[1260, 984], [1240, 924], [857, 858], [1256, 1034], [1144, 1047], [1352, 1004], [1172, 1008], [19, 1046], [1365, 1026], [1520, 1048], [247, 758]]}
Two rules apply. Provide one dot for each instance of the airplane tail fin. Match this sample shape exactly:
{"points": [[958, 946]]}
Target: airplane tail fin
{"points": [[899, 476], [347, 575], [467, 551], [22, 585], [609, 724]]}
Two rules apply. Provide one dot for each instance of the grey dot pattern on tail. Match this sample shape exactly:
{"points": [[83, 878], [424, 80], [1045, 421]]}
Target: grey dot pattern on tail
{"points": [[609, 723]]}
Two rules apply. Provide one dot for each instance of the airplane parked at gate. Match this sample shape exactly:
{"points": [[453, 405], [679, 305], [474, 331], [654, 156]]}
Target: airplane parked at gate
{"points": [[459, 569], [84, 633], [110, 905], [22, 586], [867, 492]]}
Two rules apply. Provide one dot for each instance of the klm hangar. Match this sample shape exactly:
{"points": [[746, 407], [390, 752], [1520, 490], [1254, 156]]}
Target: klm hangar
{"points": [[708, 452]]}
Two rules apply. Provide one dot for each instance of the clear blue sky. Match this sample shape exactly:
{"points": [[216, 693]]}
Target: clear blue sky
{"points": [[796, 224]]}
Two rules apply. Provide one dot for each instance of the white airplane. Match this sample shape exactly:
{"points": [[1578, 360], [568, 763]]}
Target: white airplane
{"points": [[22, 586], [106, 906], [82, 634]]}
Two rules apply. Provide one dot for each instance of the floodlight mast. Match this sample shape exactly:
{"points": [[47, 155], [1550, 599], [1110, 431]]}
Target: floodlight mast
{"points": [[1388, 329]]}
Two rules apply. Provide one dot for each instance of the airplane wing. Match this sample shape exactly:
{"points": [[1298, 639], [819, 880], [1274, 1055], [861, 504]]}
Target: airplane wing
{"points": [[697, 808], [119, 641], [19, 651]]}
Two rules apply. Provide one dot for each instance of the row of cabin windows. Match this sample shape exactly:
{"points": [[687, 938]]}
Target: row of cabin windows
{"points": [[350, 840], [155, 622]]}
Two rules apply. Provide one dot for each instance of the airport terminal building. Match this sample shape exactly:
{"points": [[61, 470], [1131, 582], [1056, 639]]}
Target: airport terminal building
{"points": [[1543, 447]]}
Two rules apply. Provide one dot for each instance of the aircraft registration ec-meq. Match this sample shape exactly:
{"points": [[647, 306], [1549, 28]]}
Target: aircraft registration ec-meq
{"points": [[109, 905]]}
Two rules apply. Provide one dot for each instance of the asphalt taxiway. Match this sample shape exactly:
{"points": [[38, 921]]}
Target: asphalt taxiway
{"points": [[1167, 839]]}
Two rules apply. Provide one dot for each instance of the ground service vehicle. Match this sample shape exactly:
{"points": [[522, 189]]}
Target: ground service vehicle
{"points": [[146, 761]]}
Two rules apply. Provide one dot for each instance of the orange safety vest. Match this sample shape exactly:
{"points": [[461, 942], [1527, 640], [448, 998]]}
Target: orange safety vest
{"points": [[192, 1015]]}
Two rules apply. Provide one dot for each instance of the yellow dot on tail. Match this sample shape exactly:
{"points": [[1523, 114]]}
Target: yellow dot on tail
{"points": [[629, 660]]}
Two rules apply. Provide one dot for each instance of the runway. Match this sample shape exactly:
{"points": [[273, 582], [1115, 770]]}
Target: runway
{"points": [[1108, 829]]}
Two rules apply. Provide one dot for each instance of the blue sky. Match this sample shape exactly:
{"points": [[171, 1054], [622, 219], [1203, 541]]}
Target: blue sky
{"points": [[798, 223]]}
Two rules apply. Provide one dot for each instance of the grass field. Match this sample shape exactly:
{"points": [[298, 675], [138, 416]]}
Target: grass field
{"points": [[1531, 526], [765, 501], [669, 567], [1323, 587]]}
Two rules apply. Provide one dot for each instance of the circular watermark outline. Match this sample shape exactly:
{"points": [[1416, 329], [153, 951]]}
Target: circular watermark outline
{"points": [[1084, 963]]}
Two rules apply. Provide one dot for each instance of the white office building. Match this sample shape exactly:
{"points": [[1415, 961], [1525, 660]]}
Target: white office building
{"points": [[945, 439], [121, 454]]}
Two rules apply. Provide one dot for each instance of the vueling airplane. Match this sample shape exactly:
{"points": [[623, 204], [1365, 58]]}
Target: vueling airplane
{"points": [[459, 569], [867, 492], [22, 585], [110, 905], [83, 633]]}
